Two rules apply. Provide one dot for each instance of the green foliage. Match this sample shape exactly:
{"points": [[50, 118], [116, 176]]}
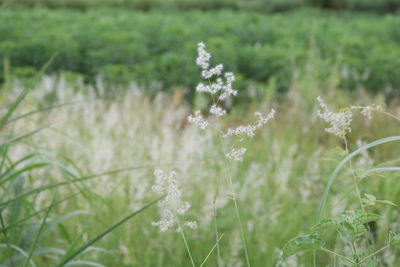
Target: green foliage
{"points": [[302, 243], [253, 5], [350, 226], [394, 239], [161, 46]]}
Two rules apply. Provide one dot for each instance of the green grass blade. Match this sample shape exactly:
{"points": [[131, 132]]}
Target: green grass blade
{"points": [[4, 231], [343, 162], [55, 223], [17, 138], [24, 170], [101, 235], [21, 251], [33, 214], [43, 109], [211, 251], [84, 263], [51, 186], [22, 95], [38, 234], [384, 169]]}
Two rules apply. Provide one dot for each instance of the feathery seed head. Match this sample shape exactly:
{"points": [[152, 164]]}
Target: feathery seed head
{"points": [[340, 122], [172, 205]]}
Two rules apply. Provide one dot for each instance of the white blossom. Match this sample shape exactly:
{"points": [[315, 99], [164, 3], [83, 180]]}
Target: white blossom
{"points": [[236, 154], [366, 111], [340, 122], [220, 85], [191, 224], [217, 111], [227, 89], [216, 71], [172, 204], [198, 120], [250, 129], [218, 81], [203, 58]]}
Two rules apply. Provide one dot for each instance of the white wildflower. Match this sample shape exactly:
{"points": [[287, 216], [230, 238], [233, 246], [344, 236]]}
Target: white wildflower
{"points": [[227, 89], [217, 111], [340, 122], [216, 71], [264, 120], [219, 83], [367, 110], [242, 129], [203, 58], [185, 207], [191, 224], [172, 205], [198, 120], [250, 129], [236, 154]]}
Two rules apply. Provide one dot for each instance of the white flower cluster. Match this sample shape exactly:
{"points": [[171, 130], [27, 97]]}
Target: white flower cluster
{"points": [[198, 120], [219, 84], [172, 205], [236, 154], [204, 57], [218, 81], [216, 71], [217, 111], [250, 129], [340, 122], [222, 84], [367, 110]]}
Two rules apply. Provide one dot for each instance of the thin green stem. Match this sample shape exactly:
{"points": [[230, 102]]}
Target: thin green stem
{"points": [[390, 115], [370, 242], [355, 252], [228, 172], [212, 249], [337, 255], [184, 240], [216, 234], [355, 182], [373, 254]]}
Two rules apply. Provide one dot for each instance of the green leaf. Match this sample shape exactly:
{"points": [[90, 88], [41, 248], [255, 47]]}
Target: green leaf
{"points": [[302, 243], [350, 230], [367, 217], [325, 224], [394, 239], [74, 254]]}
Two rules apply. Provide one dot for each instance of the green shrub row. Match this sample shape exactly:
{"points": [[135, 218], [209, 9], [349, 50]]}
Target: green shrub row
{"points": [[161, 46], [252, 5]]}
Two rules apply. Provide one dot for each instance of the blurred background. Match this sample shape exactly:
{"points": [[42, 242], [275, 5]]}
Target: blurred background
{"points": [[153, 42]]}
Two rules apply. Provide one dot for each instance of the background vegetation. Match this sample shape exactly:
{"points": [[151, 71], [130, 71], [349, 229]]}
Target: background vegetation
{"points": [[250, 5], [158, 46]]}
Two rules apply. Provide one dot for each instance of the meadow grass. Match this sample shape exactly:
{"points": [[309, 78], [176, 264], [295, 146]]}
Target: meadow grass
{"points": [[66, 187]]}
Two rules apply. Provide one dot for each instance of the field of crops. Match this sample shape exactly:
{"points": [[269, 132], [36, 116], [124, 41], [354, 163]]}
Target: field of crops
{"points": [[158, 46], [381, 6], [124, 142]]}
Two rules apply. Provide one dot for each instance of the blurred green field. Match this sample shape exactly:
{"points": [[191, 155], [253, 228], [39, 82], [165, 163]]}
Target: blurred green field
{"points": [[124, 46], [250, 5]]}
